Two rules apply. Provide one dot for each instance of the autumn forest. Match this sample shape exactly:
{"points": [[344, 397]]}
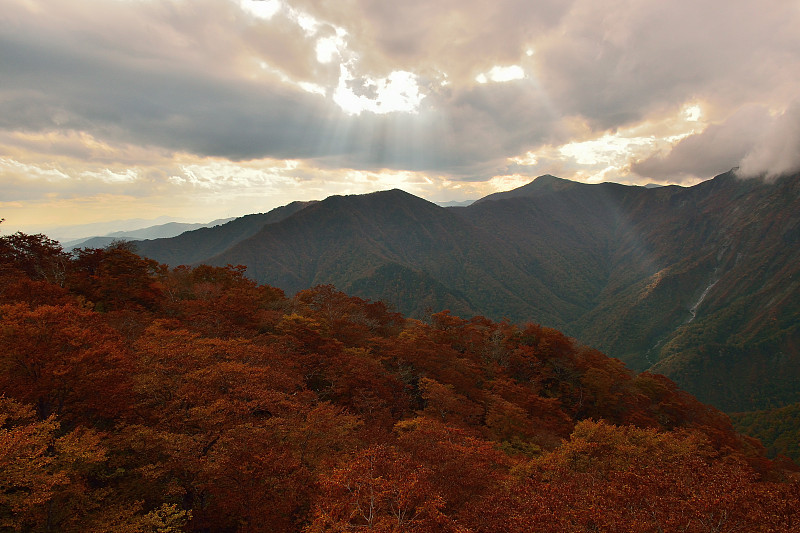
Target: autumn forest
{"points": [[142, 398]]}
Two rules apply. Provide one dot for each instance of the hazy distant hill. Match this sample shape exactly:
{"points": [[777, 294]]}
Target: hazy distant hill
{"points": [[78, 232], [455, 203], [170, 229], [700, 283], [200, 244], [90, 242]]}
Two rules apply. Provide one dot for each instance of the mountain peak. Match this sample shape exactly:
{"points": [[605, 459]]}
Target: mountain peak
{"points": [[381, 200], [386, 194], [544, 184], [548, 178], [550, 182], [396, 193]]}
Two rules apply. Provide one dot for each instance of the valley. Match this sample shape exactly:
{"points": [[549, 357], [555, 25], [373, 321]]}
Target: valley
{"points": [[700, 283]]}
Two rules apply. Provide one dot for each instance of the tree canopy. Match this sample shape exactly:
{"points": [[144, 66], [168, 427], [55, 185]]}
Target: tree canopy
{"points": [[134, 397]]}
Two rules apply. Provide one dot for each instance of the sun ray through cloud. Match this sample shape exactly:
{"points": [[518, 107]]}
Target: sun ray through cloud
{"points": [[124, 94]]}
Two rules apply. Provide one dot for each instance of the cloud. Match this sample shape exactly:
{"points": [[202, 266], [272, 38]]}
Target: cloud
{"points": [[160, 80], [616, 62], [174, 109], [461, 38], [588, 90], [716, 149], [611, 62], [754, 140], [209, 78], [777, 152]]}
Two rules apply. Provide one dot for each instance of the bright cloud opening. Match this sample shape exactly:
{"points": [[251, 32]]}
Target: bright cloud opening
{"points": [[608, 149], [328, 48], [609, 157], [399, 91], [10, 167], [264, 9], [312, 88], [501, 74], [128, 175], [693, 113]]}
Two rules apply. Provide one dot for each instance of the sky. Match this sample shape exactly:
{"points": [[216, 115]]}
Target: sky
{"points": [[203, 109]]}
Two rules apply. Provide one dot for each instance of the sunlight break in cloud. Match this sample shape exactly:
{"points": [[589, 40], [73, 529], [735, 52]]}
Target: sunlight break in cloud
{"points": [[501, 74], [219, 175], [398, 92], [632, 91], [128, 175], [265, 9], [328, 48], [354, 94], [610, 156]]}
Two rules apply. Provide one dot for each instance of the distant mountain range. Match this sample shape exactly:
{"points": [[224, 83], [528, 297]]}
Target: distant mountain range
{"points": [[699, 283], [169, 229], [198, 245]]}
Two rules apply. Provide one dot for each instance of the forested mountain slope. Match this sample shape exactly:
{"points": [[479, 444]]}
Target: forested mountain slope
{"points": [[700, 283], [200, 244], [383, 245]]}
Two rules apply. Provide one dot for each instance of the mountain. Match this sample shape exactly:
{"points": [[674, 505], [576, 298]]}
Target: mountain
{"points": [[778, 429], [390, 245], [542, 185], [700, 283], [90, 242], [78, 232], [200, 244], [170, 229]]}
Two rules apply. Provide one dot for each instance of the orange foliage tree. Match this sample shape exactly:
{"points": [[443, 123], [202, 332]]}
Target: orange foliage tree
{"points": [[379, 489], [136, 398]]}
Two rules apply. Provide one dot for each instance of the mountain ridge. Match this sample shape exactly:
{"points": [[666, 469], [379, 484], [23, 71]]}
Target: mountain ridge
{"points": [[544, 184], [193, 246], [645, 274]]}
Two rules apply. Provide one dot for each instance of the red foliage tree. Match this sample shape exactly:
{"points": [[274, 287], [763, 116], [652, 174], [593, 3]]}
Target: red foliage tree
{"points": [[65, 361], [36, 256], [116, 278]]}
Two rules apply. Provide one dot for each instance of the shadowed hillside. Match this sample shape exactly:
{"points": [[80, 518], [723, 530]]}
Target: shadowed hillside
{"points": [[197, 245], [700, 282]]}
